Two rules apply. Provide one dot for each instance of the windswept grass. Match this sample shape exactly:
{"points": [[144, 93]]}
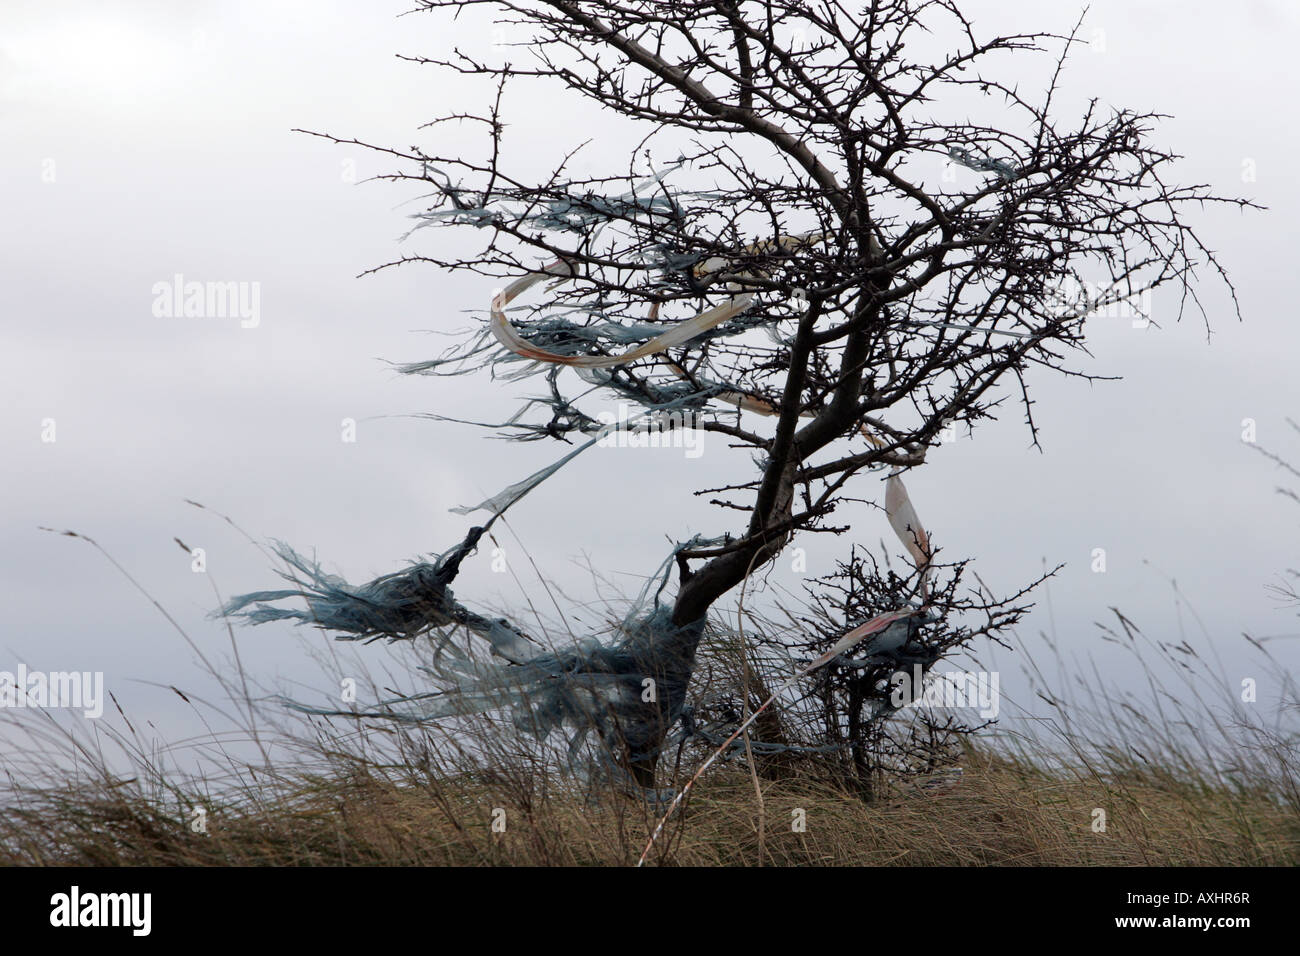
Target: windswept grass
{"points": [[1192, 779], [998, 812]]}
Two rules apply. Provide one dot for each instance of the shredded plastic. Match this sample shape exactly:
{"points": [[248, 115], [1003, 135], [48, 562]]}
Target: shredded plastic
{"points": [[587, 686], [1005, 170]]}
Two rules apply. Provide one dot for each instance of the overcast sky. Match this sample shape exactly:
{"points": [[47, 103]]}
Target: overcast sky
{"points": [[142, 140]]}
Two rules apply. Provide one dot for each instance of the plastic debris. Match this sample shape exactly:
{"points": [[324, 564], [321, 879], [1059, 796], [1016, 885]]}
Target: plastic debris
{"points": [[1005, 170], [587, 686]]}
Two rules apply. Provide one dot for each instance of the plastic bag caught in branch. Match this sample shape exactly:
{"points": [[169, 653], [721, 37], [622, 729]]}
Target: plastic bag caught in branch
{"points": [[904, 521], [679, 334], [582, 214], [503, 499], [1005, 170], [586, 685], [396, 606]]}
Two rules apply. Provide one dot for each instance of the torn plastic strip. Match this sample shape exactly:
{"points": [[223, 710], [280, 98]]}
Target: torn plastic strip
{"points": [[396, 606], [503, 499], [1005, 171], [679, 334], [568, 213], [782, 244], [586, 686], [898, 506], [903, 519]]}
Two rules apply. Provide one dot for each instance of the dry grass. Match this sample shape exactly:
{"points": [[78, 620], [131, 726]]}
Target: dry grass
{"points": [[998, 812], [1186, 774]]}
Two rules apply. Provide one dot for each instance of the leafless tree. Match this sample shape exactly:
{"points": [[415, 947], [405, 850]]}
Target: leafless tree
{"points": [[860, 261]]}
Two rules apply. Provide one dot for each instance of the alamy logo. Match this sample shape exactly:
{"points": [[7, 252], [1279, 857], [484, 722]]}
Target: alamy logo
{"points": [[40, 689], [668, 429], [976, 690], [1100, 300], [179, 299], [75, 908]]}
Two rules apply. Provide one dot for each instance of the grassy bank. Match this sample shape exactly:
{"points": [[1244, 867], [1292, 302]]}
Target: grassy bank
{"points": [[996, 811]]}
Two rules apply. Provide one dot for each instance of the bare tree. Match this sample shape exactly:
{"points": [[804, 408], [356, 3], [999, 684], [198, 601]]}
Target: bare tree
{"points": [[815, 251]]}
